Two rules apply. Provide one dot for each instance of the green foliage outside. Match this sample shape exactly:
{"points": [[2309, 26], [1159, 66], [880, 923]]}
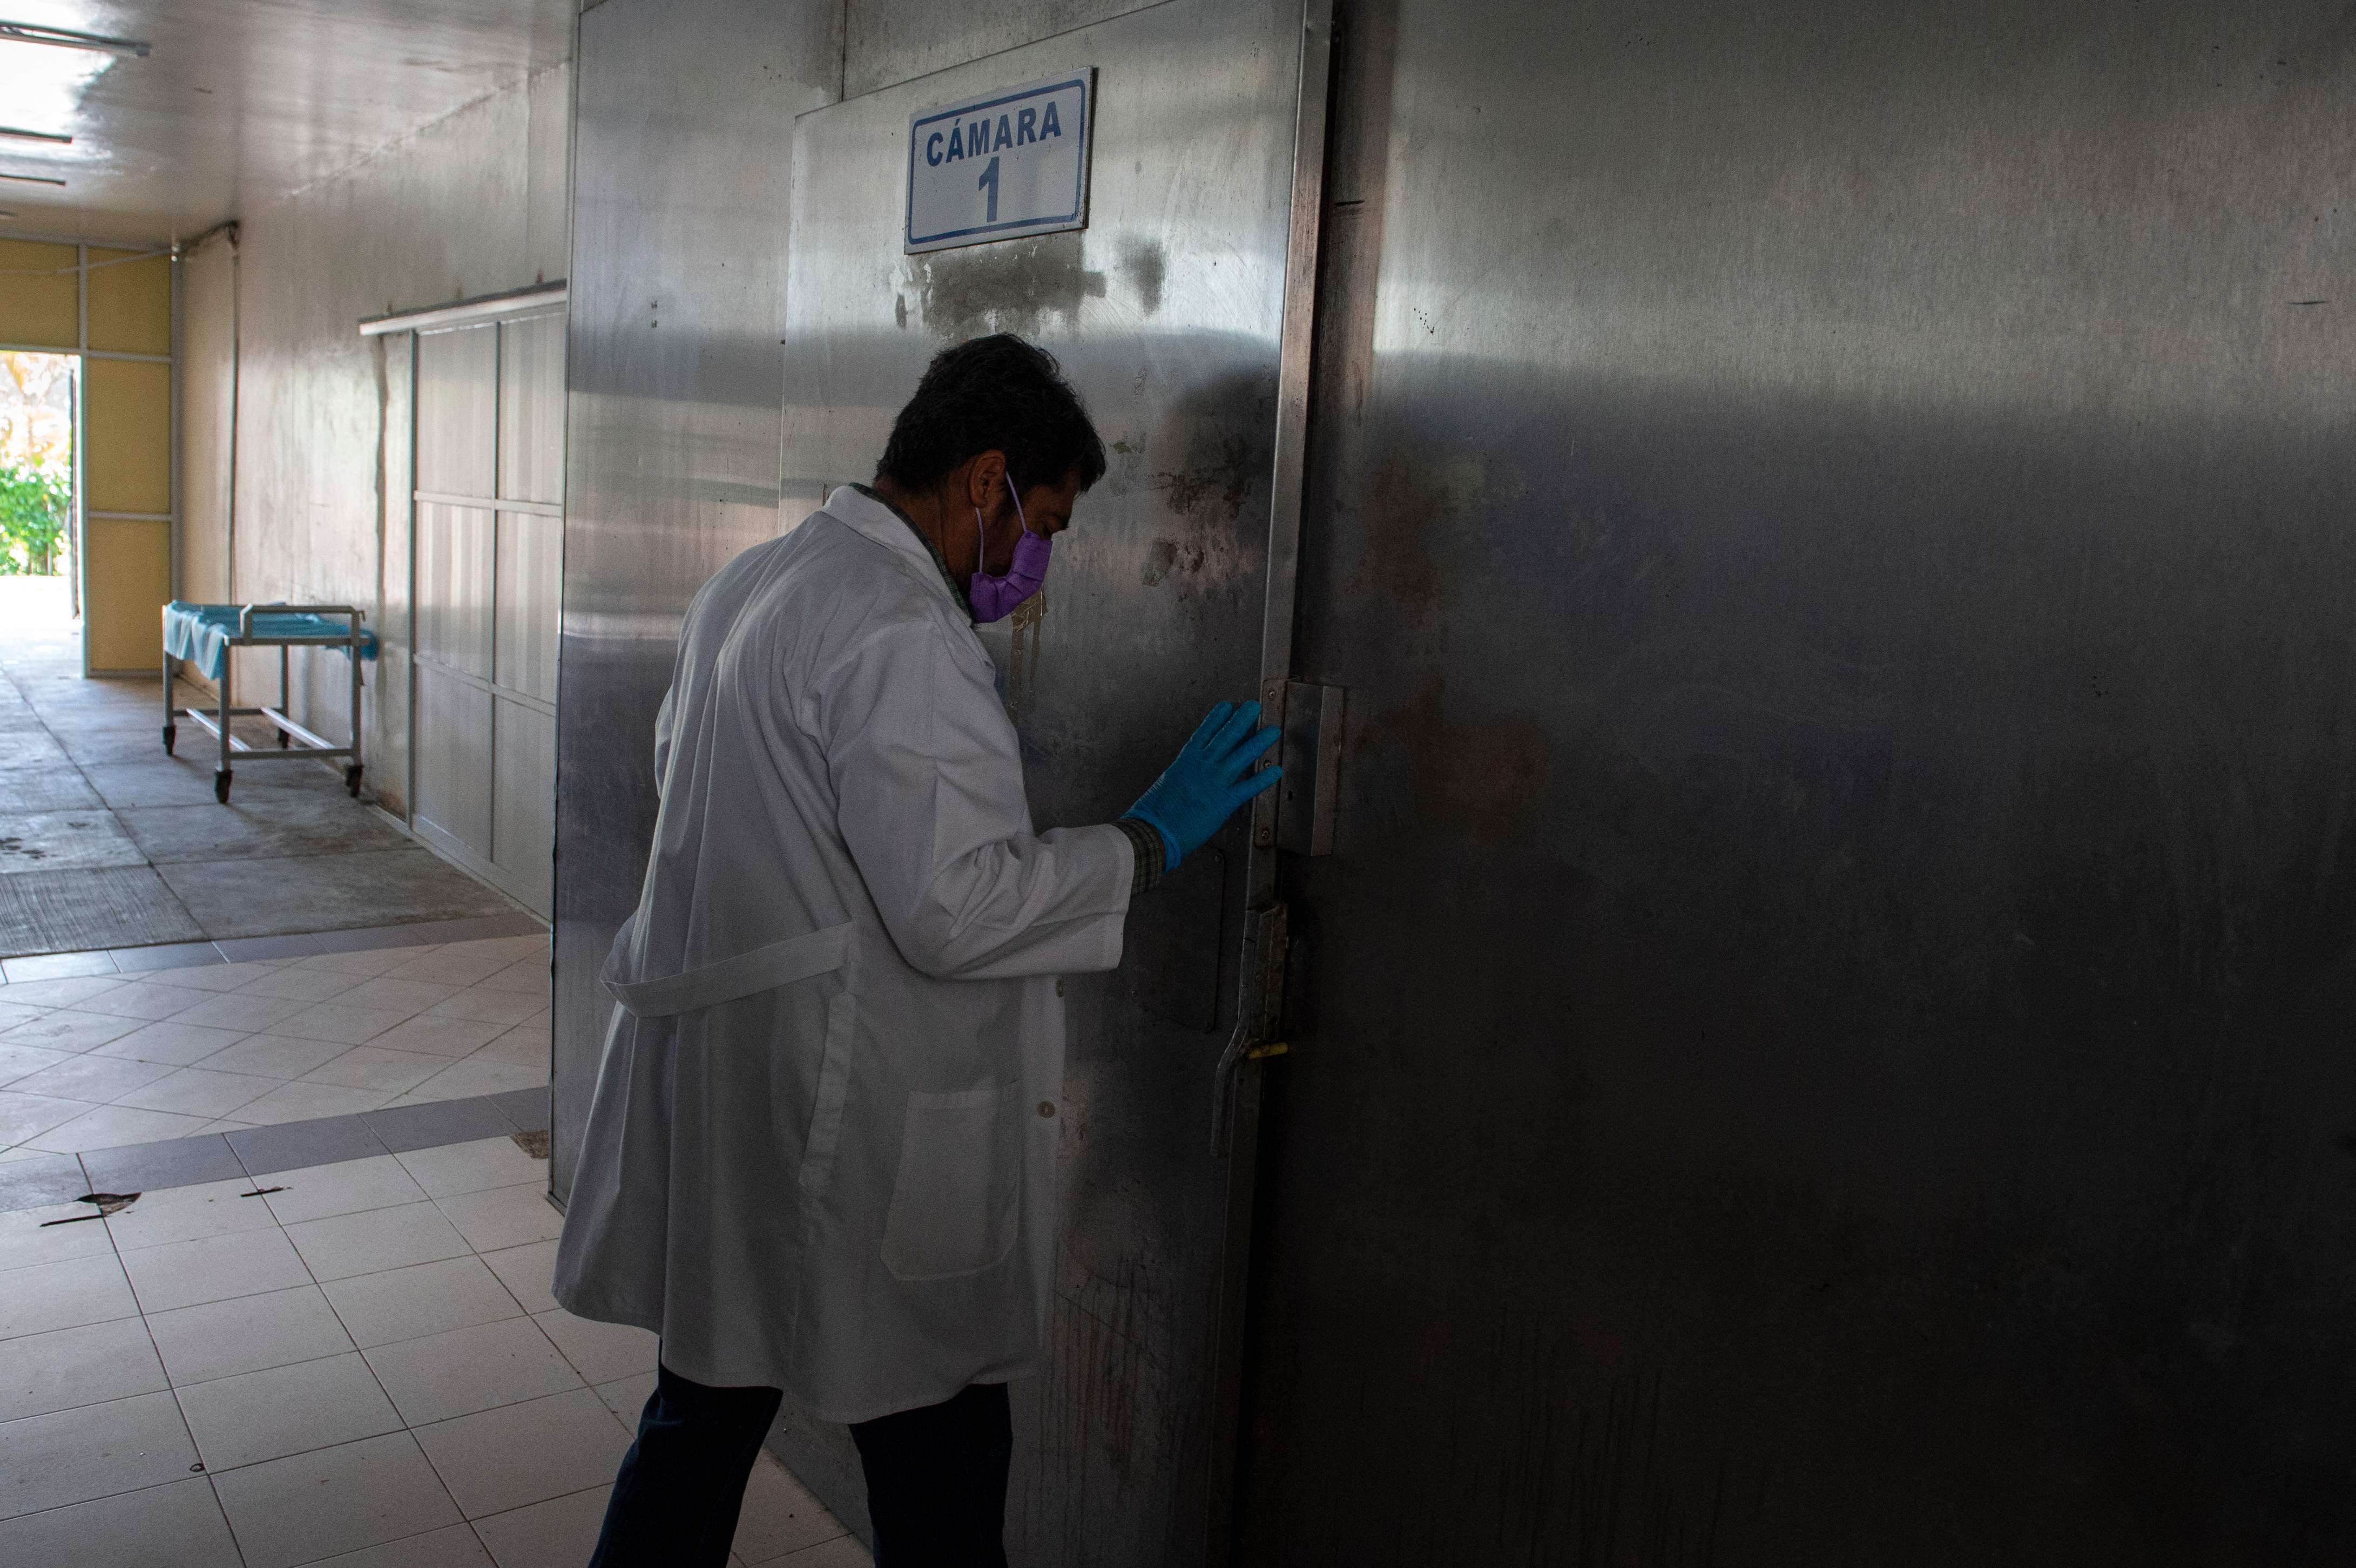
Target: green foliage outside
{"points": [[34, 506]]}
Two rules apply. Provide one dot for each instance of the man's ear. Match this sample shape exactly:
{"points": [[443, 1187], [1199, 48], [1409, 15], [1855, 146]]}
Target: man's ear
{"points": [[985, 480]]}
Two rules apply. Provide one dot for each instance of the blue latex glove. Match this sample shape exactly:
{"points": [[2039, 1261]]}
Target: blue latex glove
{"points": [[1212, 775]]}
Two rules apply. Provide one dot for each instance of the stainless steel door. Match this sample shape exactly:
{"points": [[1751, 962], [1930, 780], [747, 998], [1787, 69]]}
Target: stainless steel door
{"points": [[1166, 312]]}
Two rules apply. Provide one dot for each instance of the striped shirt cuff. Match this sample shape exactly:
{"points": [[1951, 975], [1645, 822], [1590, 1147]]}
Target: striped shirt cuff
{"points": [[1146, 839]]}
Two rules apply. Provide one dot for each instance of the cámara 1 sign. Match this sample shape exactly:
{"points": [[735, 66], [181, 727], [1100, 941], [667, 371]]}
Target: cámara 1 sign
{"points": [[1008, 163]]}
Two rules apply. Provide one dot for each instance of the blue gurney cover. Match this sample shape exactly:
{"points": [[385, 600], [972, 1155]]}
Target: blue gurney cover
{"points": [[201, 634]]}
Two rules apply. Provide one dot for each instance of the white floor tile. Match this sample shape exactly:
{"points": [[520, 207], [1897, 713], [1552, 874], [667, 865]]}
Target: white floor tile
{"points": [[376, 1239], [453, 1546], [374, 1067], [221, 977], [842, 1551], [26, 1237], [197, 1092], [472, 1167], [110, 1126], [558, 1533], [66, 1030], [247, 1334], [175, 1526], [65, 1295], [172, 1042], [142, 999], [527, 1272], [425, 1298], [91, 1451], [186, 1213], [397, 996], [518, 1453], [338, 1021], [526, 1043], [433, 1035], [501, 1217], [226, 1125], [62, 993], [310, 1505], [239, 1011], [452, 966], [301, 984], [467, 1369], [214, 1268], [309, 1102], [13, 1013], [25, 1116], [350, 1187], [507, 949], [68, 1366], [491, 1006], [626, 1398], [268, 1414], [780, 1515], [599, 1352], [365, 964], [481, 1075], [524, 975], [16, 1061], [97, 1079], [274, 1056]]}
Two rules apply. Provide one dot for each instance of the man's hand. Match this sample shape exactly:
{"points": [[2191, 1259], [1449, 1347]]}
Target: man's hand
{"points": [[1212, 775]]}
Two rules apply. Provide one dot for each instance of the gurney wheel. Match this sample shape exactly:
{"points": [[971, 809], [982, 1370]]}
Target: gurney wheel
{"points": [[220, 784], [352, 780], [171, 734], [282, 739]]}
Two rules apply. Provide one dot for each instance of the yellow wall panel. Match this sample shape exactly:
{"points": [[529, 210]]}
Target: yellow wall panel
{"points": [[131, 303], [127, 579], [127, 411], [40, 306]]}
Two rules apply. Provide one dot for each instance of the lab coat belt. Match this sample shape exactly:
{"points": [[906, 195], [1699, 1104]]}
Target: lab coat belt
{"points": [[709, 985]]}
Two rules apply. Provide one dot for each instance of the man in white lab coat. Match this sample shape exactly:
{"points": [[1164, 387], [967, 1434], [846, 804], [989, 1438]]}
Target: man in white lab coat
{"points": [[821, 1156]]}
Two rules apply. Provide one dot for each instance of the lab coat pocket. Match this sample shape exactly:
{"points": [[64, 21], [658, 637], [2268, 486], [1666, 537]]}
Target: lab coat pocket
{"points": [[955, 1204], [833, 1085]]}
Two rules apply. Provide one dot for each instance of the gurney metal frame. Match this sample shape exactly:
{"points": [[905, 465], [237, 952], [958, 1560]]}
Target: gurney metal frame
{"points": [[217, 720]]}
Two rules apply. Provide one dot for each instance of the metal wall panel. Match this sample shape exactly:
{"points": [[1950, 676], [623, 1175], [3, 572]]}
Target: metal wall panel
{"points": [[683, 146], [532, 409], [1165, 311], [457, 411], [455, 586], [523, 806], [1825, 1039], [453, 759], [530, 556]]}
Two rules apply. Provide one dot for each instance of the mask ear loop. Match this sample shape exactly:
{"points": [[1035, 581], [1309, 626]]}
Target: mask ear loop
{"points": [[981, 529]]}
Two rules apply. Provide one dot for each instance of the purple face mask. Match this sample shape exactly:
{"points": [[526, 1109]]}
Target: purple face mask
{"points": [[994, 598]]}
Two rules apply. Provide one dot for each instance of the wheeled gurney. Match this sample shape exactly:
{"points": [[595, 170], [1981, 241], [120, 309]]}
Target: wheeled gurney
{"points": [[202, 635]]}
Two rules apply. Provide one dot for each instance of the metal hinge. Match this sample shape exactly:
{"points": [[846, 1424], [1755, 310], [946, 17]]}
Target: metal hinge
{"points": [[1258, 1010]]}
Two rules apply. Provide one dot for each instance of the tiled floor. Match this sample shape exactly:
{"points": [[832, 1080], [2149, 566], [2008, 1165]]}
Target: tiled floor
{"points": [[96, 1061], [363, 1367], [105, 841]]}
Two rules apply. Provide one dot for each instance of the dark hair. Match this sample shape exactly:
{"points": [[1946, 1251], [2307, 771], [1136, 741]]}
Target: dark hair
{"points": [[993, 394]]}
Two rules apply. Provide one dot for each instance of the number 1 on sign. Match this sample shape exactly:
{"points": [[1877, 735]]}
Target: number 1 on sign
{"points": [[988, 182]]}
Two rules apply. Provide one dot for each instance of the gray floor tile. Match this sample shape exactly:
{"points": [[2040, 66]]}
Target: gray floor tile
{"points": [[98, 1079], [62, 990], [173, 1162], [374, 1067], [501, 1217], [527, 1108], [238, 950], [239, 1010], [324, 892], [272, 1056], [167, 955], [422, 1299], [476, 1166], [197, 1092], [375, 1239], [28, 1237], [114, 1126], [73, 911], [37, 1182], [408, 1127], [144, 999], [24, 1117], [92, 1450], [68, 1029], [302, 984], [189, 1213], [172, 1042], [453, 1546], [347, 1187], [302, 1102], [250, 1417], [528, 1273], [467, 1369], [293, 1145], [336, 1022], [558, 1533], [450, 1038], [315, 1505], [600, 1352], [367, 938], [92, 1365], [175, 1526], [779, 1515], [247, 1334]]}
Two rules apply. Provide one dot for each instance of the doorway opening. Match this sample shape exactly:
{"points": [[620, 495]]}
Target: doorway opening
{"points": [[39, 516]]}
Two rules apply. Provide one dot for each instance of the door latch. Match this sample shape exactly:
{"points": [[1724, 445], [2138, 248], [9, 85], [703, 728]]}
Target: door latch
{"points": [[1259, 1011]]}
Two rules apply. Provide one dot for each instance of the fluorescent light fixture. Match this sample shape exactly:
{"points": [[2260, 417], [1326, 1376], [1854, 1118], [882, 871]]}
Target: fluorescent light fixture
{"points": [[31, 179], [35, 136], [66, 38]]}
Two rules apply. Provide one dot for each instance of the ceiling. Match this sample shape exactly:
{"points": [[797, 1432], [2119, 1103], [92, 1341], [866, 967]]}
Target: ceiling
{"points": [[239, 101]]}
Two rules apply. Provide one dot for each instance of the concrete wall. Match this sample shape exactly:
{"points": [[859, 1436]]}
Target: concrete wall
{"points": [[470, 205]]}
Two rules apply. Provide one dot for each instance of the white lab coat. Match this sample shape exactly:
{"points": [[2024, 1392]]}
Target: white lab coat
{"points": [[821, 1155]]}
